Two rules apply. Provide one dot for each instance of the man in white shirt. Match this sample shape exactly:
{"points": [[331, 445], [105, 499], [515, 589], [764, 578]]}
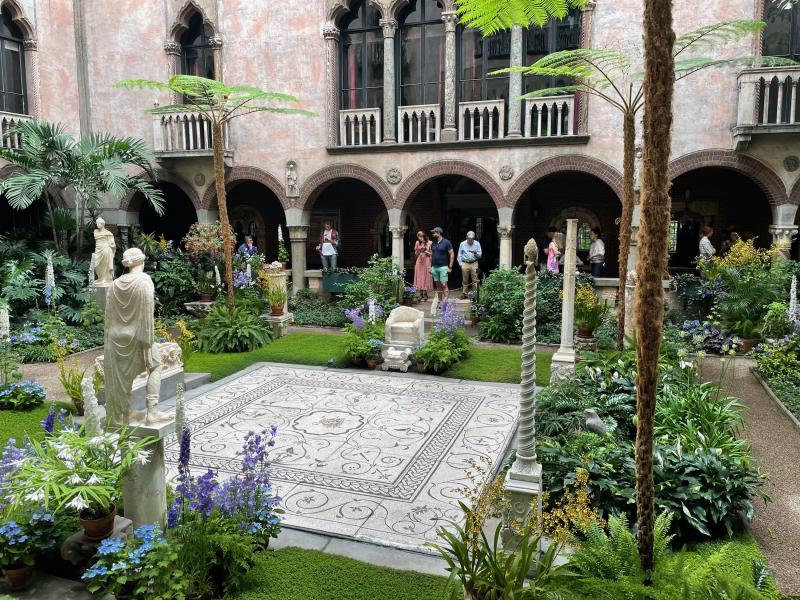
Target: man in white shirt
{"points": [[328, 247], [597, 253], [469, 253]]}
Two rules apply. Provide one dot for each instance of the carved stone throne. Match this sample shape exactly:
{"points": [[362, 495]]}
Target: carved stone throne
{"points": [[405, 329]]}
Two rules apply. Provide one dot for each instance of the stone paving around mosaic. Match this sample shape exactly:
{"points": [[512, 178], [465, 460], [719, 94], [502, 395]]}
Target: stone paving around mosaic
{"points": [[376, 457]]}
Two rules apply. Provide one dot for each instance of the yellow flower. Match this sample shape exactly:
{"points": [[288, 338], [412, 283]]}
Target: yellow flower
{"points": [[162, 242], [744, 253]]}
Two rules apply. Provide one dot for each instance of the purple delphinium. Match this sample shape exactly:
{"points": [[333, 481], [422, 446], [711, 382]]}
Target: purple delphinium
{"points": [[11, 458], [448, 321], [241, 279], [49, 422], [354, 315]]}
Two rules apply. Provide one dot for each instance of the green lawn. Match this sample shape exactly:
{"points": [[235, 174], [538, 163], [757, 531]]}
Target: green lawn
{"points": [[317, 349], [16, 423], [295, 574]]}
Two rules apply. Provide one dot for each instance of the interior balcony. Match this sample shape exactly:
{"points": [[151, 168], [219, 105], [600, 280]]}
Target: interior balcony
{"points": [[8, 121], [186, 134], [768, 104]]}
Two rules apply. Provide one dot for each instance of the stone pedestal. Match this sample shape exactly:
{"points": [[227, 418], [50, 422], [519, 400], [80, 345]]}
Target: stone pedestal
{"points": [[198, 309], [298, 238], [144, 490], [281, 278], [396, 358], [585, 344], [506, 250], [563, 364], [524, 497], [78, 549], [99, 293], [279, 324]]}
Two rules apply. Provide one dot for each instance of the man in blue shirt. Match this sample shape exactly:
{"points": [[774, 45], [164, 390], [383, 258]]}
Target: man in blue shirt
{"points": [[441, 260], [469, 253]]}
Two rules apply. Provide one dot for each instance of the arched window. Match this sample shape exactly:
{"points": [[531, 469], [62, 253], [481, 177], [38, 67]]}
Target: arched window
{"points": [[12, 66], [538, 42], [361, 58], [480, 56], [421, 54], [584, 237], [782, 33], [197, 57]]}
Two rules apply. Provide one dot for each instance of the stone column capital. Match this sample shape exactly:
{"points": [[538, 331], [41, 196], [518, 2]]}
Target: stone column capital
{"points": [[782, 238], [590, 6], [30, 45], [172, 47], [398, 231], [389, 26], [298, 233], [450, 19], [215, 43], [505, 233], [330, 32]]}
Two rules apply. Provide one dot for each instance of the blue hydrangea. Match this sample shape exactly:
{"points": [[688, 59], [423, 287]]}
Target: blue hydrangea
{"points": [[110, 546], [97, 570]]}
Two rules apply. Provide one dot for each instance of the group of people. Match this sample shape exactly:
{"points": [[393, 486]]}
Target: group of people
{"points": [[551, 252], [706, 248], [435, 258]]}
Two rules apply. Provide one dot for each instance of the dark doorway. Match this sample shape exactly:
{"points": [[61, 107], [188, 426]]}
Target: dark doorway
{"points": [[178, 217]]}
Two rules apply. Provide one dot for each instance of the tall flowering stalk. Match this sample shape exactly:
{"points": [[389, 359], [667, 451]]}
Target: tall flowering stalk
{"points": [[92, 265], [49, 281], [217, 277], [792, 298], [5, 323]]}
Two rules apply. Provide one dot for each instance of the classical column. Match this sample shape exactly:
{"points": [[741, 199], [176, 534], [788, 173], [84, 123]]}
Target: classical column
{"points": [[782, 239], [506, 250], [587, 17], [523, 483], [215, 43], [398, 247], [515, 85], [173, 50], [331, 35], [389, 108], [32, 77], [564, 359], [82, 72], [449, 130], [298, 237]]}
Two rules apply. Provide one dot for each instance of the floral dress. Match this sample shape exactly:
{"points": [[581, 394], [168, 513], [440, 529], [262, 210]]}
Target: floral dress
{"points": [[552, 257], [422, 268]]}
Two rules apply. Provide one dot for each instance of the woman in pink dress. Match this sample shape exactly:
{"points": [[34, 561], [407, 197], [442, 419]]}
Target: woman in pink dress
{"points": [[422, 268], [554, 252]]}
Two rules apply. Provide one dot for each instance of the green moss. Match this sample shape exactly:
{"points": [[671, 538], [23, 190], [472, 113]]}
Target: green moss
{"points": [[295, 574]]}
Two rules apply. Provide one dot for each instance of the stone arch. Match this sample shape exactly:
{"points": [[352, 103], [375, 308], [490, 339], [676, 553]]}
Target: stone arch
{"points": [[568, 162], [761, 174], [794, 197], [337, 9], [19, 19], [181, 24], [239, 175], [327, 175], [169, 177], [391, 8], [422, 176]]}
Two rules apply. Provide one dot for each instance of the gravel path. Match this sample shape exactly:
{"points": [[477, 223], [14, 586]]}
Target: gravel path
{"points": [[776, 445], [47, 373]]}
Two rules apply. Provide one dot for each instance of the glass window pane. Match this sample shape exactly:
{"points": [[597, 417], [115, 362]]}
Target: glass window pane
{"points": [[192, 62], [497, 88], [373, 72], [568, 32], [411, 55], [413, 14], [777, 34], [12, 67], [434, 53], [471, 65], [434, 93], [499, 57], [373, 18], [352, 69], [433, 11], [411, 95]]}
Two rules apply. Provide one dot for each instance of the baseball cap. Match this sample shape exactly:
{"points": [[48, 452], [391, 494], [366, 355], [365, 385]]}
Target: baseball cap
{"points": [[437, 230]]}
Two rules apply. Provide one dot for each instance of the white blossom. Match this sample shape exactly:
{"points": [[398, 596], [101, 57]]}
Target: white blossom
{"points": [[280, 234], [36, 496], [96, 442], [217, 276], [142, 457], [75, 479], [78, 503], [93, 480], [793, 298], [5, 325]]}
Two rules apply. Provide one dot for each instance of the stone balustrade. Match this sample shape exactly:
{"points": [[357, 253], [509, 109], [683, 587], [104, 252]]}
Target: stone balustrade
{"points": [[419, 124], [360, 127], [9, 120], [482, 120], [186, 132], [549, 116], [767, 102]]}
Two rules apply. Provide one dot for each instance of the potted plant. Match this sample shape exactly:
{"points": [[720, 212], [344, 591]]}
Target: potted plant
{"points": [[283, 254], [409, 293], [589, 311], [363, 339], [88, 467], [276, 298], [749, 331], [206, 286], [21, 540]]}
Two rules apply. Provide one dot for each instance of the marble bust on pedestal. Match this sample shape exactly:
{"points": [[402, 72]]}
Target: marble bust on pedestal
{"points": [[104, 250], [129, 347]]}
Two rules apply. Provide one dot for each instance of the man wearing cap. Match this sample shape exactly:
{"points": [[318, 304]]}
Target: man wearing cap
{"points": [[469, 253], [441, 260]]}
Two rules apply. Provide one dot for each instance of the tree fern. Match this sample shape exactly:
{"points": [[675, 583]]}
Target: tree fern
{"points": [[491, 16]]}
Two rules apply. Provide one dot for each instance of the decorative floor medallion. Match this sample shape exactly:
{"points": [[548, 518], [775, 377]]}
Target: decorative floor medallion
{"points": [[367, 456]]}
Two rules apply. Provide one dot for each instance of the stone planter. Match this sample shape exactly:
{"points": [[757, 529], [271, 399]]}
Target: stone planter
{"points": [[18, 577], [337, 282], [101, 528], [585, 332]]}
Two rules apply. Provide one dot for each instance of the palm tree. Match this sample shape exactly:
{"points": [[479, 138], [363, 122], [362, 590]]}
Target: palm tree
{"points": [[659, 87], [220, 104], [614, 76], [52, 161], [491, 16]]}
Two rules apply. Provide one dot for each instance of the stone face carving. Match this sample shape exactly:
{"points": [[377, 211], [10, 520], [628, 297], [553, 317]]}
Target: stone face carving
{"points": [[292, 187], [129, 348], [506, 172], [394, 176], [104, 249]]}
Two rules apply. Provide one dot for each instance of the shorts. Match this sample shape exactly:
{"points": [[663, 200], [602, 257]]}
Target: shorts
{"points": [[439, 274]]}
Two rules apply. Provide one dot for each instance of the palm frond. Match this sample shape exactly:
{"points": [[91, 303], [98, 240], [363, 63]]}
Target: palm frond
{"points": [[686, 67], [491, 16], [716, 34]]}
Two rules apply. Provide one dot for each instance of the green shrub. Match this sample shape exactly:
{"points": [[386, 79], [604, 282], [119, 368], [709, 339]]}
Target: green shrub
{"points": [[236, 330], [173, 282], [308, 308], [21, 395], [365, 341], [502, 298], [380, 281], [439, 353], [779, 361], [789, 394], [776, 320]]}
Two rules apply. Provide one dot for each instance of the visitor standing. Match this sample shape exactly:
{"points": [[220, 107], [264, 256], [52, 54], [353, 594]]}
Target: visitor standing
{"points": [[729, 243], [554, 251], [597, 253], [442, 257], [328, 246], [248, 248], [469, 253], [422, 268], [544, 247], [706, 248]]}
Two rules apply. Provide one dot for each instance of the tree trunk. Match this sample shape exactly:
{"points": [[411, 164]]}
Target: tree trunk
{"points": [[218, 143], [659, 83], [78, 236], [52, 216], [628, 200]]}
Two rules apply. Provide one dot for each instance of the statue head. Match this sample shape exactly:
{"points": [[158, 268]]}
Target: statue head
{"points": [[132, 258], [100, 222]]}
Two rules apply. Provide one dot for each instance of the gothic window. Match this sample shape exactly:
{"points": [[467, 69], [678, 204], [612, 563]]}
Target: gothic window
{"points": [[361, 58], [584, 237], [674, 225], [197, 57], [555, 36], [782, 33], [480, 56], [12, 66], [422, 47]]}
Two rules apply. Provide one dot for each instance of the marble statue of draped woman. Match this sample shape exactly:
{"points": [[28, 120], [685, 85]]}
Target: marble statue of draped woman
{"points": [[104, 250]]}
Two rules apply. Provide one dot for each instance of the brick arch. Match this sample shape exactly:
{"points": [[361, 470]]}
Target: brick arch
{"points": [[761, 174], [19, 19], [181, 23], [410, 186], [327, 175], [239, 175], [169, 177], [794, 197], [560, 164]]}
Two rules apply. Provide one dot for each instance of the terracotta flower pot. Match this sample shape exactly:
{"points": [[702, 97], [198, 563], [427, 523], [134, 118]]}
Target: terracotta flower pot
{"points": [[99, 528], [747, 345], [373, 362], [585, 332], [18, 577], [284, 265], [277, 311], [205, 297]]}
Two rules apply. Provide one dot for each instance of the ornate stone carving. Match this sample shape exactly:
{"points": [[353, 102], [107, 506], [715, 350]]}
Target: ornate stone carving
{"points": [[506, 172], [450, 19], [782, 236], [791, 163], [199, 179], [172, 47], [504, 233], [30, 45], [394, 176], [637, 166], [330, 32], [292, 186], [215, 42], [389, 27]]}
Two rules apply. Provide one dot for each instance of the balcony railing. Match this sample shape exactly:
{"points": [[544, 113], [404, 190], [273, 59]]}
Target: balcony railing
{"points": [[482, 120], [184, 133], [8, 120], [549, 116], [419, 124], [360, 127], [767, 102]]}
